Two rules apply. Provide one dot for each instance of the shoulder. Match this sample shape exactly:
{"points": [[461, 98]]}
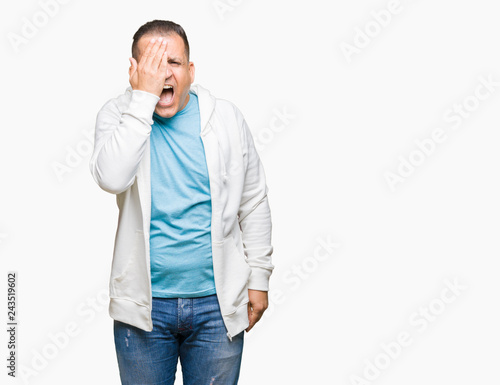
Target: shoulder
{"points": [[228, 108], [222, 107], [117, 104]]}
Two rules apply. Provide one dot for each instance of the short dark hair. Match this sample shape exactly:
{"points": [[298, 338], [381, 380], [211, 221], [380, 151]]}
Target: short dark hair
{"points": [[161, 27]]}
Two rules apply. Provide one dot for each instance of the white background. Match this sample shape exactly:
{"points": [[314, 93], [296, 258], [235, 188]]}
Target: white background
{"points": [[355, 118]]}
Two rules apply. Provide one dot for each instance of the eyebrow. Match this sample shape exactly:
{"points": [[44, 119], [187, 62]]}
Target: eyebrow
{"points": [[175, 59]]}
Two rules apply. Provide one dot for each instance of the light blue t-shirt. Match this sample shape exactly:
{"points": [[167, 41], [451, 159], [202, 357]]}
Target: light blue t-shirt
{"points": [[181, 207]]}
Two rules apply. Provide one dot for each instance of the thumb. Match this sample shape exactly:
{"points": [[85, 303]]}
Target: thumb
{"points": [[249, 310], [133, 66]]}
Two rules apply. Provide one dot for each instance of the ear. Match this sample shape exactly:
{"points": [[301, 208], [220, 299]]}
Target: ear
{"points": [[191, 71]]}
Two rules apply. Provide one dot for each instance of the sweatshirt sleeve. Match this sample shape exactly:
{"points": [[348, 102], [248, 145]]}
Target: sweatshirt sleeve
{"points": [[120, 140], [255, 216]]}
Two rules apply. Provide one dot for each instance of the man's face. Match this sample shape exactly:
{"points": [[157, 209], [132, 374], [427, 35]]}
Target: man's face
{"points": [[180, 74]]}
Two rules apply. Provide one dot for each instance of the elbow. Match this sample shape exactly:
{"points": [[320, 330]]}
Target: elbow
{"points": [[110, 182], [251, 205], [114, 188]]}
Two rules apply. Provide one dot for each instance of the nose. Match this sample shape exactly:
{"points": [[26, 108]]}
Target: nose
{"points": [[169, 71]]}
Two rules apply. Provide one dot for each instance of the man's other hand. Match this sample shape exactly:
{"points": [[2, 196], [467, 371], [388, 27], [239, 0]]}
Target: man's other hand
{"points": [[150, 74], [257, 304]]}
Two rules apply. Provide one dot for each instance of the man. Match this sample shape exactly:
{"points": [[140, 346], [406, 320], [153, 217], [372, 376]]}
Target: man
{"points": [[192, 256]]}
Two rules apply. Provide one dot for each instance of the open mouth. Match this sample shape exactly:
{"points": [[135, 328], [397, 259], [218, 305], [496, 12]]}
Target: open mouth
{"points": [[167, 96]]}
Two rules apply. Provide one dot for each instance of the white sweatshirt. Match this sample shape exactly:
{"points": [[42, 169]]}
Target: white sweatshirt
{"points": [[241, 218]]}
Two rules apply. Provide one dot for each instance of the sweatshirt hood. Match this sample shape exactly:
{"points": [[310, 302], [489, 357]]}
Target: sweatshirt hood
{"points": [[207, 107]]}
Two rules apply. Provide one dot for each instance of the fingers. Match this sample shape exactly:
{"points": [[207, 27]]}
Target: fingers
{"points": [[160, 54], [150, 58], [147, 51], [150, 73], [155, 56], [164, 62], [254, 316], [250, 318]]}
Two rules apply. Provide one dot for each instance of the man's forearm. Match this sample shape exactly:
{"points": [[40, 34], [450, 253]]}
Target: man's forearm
{"points": [[256, 237], [120, 141], [255, 216]]}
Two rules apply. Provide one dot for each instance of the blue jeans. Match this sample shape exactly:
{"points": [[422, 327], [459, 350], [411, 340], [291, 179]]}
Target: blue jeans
{"points": [[189, 328]]}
